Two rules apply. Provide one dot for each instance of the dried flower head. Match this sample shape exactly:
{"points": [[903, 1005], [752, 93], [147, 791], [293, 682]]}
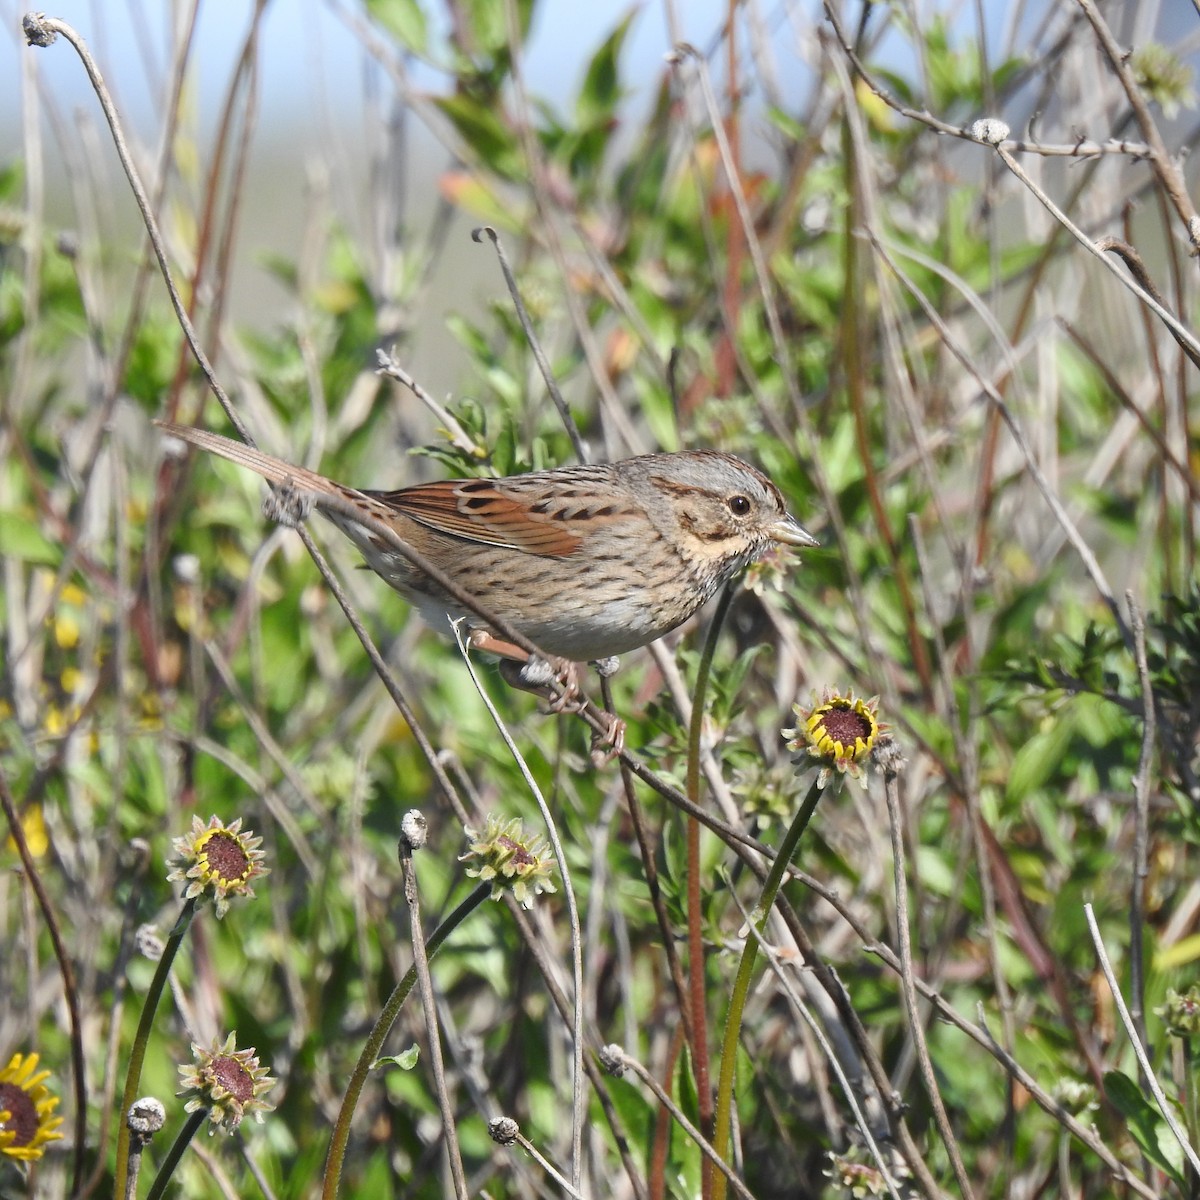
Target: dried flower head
{"points": [[27, 1120], [1164, 77], [217, 861], [226, 1081], [1077, 1097], [767, 572], [856, 1179], [510, 859], [1181, 1012], [838, 731], [503, 1130]]}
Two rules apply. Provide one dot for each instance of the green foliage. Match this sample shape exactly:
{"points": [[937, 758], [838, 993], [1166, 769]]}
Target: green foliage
{"points": [[1149, 1130], [167, 653]]}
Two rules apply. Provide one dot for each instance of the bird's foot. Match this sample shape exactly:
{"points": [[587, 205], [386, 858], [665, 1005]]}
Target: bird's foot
{"points": [[557, 681], [607, 745], [540, 676]]}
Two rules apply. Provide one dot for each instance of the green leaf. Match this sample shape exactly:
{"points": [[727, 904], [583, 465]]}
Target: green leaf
{"points": [[601, 89], [405, 1060], [486, 134], [404, 20], [21, 538], [1145, 1124], [1038, 758], [1183, 953]]}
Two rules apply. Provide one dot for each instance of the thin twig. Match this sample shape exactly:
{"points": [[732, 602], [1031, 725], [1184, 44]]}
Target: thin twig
{"points": [[1084, 1134], [546, 1165], [1141, 827], [560, 855], [1183, 335], [802, 1010], [432, 1031], [1164, 1105], [1137, 267], [916, 1029], [531, 338], [390, 367], [1165, 167], [622, 1060], [1083, 148], [40, 31]]}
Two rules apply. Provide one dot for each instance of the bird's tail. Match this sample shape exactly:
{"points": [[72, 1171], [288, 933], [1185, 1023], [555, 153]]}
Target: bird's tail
{"points": [[274, 470]]}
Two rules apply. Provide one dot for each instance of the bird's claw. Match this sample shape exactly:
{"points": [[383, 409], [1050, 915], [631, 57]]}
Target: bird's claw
{"points": [[608, 745], [541, 675]]}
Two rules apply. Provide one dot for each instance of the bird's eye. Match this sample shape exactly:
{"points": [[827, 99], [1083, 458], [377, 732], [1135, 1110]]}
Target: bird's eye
{"points": [[738, 505]]}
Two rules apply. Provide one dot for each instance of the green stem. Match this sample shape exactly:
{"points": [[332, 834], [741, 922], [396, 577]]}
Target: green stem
{"points": [[1189, 1090], [159, 1186], [374, 1043], [741, 984], [137, 1056], [696, 996]]}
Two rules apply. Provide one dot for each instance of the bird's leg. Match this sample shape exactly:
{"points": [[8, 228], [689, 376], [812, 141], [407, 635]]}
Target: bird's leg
{"points": [[531, 673], [607, 745], [538, 676]]}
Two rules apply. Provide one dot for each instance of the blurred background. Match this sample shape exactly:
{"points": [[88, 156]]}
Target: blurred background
{"points": [[770, 228]]}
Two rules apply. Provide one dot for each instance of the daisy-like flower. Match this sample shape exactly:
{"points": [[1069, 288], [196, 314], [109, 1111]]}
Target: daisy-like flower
{"points": [[838, 731], [27, 1120], [504, 855], [217, 861], [1181, 1012], [228, 1082]]}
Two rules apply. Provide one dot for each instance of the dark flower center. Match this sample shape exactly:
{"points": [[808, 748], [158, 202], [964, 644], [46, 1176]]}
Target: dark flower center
{"points": [[226, 858], [22, 1119], [520, 854], [233, 1077], [845, 725]]}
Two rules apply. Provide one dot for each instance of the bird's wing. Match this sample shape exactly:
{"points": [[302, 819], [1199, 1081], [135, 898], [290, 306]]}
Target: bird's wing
{"points": [[488, 511]]}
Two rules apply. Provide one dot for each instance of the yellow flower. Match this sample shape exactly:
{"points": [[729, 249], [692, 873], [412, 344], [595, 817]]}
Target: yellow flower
{"points": [[66, 631], [73, 594], [217, 861], [33, 826], [226, 1081], [27, 1122], [839, 731]]}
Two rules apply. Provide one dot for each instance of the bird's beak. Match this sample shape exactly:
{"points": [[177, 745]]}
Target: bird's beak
{"points": [[789, 531]]}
